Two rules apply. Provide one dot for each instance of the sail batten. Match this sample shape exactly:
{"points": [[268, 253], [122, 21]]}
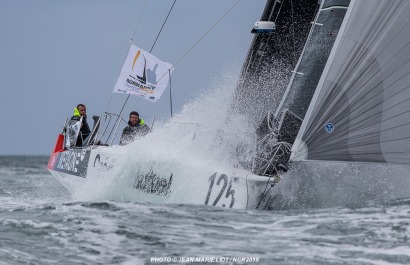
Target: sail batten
{"points": [[364, 92]]}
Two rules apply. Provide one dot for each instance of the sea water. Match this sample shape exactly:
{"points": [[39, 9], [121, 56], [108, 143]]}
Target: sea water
{"points": [[40, 223]]}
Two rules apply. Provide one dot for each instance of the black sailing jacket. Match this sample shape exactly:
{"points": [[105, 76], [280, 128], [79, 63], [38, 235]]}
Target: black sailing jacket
{"points": [[131, 132]]}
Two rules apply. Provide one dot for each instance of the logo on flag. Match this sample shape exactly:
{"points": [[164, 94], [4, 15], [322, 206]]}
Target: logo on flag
{"points": [[143, 75]]}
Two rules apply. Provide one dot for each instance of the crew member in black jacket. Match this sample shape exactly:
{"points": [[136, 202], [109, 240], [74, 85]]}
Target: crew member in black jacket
{"points": [[136, 128]]}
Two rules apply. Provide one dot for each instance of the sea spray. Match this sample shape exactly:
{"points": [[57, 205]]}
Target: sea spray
{"points": [[203, 137]]}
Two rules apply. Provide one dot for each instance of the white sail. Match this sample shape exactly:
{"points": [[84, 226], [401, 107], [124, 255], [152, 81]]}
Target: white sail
{"points": [[361, 108]]}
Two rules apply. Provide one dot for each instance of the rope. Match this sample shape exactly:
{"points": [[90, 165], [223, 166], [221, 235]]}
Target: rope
{"points": [[132, 37], [206, 33], [126, 100], [162, 26], [265, 192], [183, 56], [170, 91], [279, 11], [293, 33], [138, 22]]}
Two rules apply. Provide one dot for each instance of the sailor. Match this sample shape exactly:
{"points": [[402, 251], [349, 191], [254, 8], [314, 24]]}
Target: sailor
{"points": [[136, 128], [85, 131]]}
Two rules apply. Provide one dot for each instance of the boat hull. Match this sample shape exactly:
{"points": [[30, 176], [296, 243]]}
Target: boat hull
{"points": [[108, 168]]}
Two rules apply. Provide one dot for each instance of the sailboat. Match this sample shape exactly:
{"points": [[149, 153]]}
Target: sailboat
{"points": [[157, 181], [347, 99]]}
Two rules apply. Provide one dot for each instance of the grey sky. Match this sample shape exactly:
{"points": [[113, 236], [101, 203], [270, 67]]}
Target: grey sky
{"points": [[56, 54]]}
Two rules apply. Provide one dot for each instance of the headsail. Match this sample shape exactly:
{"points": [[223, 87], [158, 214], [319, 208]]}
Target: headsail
{"points": [[143, 74], [361, 108]]}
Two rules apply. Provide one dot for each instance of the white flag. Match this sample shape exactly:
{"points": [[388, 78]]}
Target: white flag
{"points": [[72, 130], [143, 75]]}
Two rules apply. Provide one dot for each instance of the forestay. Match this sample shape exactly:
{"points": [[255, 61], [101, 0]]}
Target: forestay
{"points": [[361, 108]]}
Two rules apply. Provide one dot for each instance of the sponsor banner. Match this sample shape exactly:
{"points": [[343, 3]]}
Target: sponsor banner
{"points": [[102, 164], [73, 162], [152, 184], [143, 75]]}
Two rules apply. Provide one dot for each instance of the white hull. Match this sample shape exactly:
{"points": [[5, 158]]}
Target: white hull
{"points": [[107, 169]]}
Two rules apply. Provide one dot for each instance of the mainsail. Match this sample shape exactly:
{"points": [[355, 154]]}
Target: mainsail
{"points": [[361, 108]]}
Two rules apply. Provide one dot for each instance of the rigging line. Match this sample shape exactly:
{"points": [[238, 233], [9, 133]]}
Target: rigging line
{"points": [[293, 32], [129, 45], [206, 33], [264, 193], [247, 192], [279, 11], [138, 22], [132, 37], [117, 121], [162, 26], [149, 51], [105, 130], [317, 10], [154, 41], [200, 39], [170, 91]]}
